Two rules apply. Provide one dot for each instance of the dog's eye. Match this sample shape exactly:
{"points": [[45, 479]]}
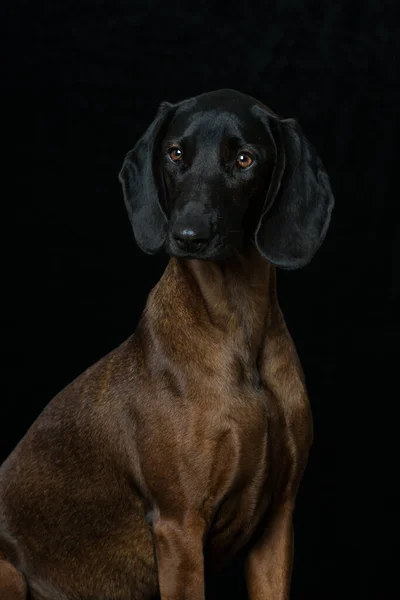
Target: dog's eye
{"points": [[175, 153], [244, 160]]}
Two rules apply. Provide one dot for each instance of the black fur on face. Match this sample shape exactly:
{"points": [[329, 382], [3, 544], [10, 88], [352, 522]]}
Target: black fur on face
{"points": [[219, 171]]}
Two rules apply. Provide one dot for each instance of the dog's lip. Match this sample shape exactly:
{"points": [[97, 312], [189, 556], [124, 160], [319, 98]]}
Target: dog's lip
{"points": [[218, 251]]}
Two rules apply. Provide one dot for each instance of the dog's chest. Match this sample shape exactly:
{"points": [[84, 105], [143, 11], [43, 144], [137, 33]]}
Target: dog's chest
{"points": [[240, 476], [211, 457]]}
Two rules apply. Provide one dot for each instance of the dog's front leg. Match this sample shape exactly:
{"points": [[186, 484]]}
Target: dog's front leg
{"points": [[12, 582], [269, 563], [179, 550]]}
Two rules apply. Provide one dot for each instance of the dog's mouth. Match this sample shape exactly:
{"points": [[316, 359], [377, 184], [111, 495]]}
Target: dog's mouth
{"points": [[218, 248]]}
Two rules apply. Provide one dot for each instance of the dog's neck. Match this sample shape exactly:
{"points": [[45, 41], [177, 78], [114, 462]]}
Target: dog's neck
{"points": [[214, 307], [235, 293]]}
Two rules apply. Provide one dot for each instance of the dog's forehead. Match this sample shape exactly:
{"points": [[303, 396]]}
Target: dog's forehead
{"points": [[207, 122], [214, 122]]}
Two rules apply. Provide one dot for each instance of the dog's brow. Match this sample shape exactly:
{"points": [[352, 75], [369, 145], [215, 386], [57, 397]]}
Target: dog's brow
{"points": [[209, 128]]}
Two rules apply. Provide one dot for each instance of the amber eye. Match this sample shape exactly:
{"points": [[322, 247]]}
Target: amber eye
{"points": [[175, 153], [244, 160]]}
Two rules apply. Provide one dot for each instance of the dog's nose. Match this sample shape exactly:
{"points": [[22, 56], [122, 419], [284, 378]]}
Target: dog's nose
{"points": [[191, 237]]}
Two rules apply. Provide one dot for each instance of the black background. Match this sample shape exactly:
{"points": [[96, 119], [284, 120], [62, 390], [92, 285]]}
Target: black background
{"points": [[83, 81]]}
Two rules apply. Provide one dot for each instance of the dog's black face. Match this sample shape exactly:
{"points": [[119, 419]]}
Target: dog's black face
{"points": [[219, 171], [216, 167]]}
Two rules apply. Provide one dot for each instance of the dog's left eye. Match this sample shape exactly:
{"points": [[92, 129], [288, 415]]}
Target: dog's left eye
{"points": [[175, 153], [244, 160]]}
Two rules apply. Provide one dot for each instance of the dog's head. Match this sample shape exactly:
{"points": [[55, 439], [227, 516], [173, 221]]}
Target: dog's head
{"points": [[221, 170]]}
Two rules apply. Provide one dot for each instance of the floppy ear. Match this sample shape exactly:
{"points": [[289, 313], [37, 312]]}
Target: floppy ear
{"points": [[299, 201], [143, 185]]}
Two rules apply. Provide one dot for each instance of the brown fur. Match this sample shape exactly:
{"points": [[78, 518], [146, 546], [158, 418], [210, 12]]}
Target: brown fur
{"points": [[191, 435], [180, 453]]}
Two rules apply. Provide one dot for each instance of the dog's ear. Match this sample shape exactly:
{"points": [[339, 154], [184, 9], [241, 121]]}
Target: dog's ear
{"points": [[143, 185], [299, 202]]}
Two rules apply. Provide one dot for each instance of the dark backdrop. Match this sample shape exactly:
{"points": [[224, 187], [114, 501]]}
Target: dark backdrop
{"points": [[83, 80]]}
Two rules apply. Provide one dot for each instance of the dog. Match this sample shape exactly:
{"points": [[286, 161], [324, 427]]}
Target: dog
{"points": [[183, 448]]}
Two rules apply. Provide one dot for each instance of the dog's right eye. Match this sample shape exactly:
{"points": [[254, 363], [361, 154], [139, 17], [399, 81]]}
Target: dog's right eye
{"points": [[244, 160], [175, 153]]}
